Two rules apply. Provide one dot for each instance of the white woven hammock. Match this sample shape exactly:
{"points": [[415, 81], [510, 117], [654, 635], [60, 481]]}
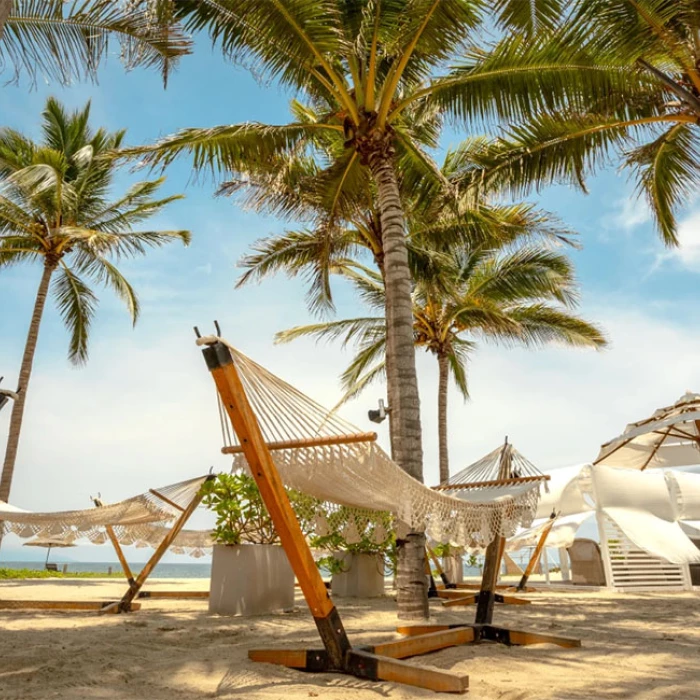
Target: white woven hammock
{"points": [[361, 475], [139, 520]]}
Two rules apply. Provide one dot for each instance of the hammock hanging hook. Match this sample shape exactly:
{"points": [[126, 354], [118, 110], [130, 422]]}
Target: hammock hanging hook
{"points": [[218, 329]]}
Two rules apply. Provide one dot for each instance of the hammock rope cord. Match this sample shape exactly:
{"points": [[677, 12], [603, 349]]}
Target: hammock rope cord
{"points": [[487, 469], [351, 472], [138, 520]]}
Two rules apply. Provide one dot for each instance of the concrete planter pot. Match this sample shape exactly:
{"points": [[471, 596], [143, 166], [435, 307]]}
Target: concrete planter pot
{"points": [[250, 579], [452, 566], [362, 576]]}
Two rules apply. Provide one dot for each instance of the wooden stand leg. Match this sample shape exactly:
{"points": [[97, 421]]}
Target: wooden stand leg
{"points": [[511, 637], [424, 643], [443, 576], [536, 554], [373, 667], [117, 547], [492, 565]]}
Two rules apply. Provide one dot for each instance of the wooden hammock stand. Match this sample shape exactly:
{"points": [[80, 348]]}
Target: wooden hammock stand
{"points": [[452, 594], [131, 580], [377, 662], [126, 604], [483, 628]]}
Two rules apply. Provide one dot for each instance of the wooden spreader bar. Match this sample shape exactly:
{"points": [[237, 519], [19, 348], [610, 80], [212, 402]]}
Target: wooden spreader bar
{"points": [[320, 441], [338, 655], [492, 483]]}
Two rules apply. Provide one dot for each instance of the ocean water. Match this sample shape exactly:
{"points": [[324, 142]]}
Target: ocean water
{"points": [[162, 570]]}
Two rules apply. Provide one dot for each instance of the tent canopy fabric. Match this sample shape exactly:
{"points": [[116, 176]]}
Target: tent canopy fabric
{"points": [[563, 494], [562, 534], [668, 438], [649, 507]]}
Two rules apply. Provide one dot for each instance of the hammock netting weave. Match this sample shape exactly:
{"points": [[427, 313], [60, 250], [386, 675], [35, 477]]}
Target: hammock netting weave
{"points": [[139, 521], [360, 476]]}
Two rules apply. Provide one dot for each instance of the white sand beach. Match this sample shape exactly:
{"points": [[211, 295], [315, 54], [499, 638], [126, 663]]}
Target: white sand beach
{"points": [[642, 646]]}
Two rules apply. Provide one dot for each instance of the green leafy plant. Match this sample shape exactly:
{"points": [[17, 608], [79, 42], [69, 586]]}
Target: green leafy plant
{"points": [[241, 515]]}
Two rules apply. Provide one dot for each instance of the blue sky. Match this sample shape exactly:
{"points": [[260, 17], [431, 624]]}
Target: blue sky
{"points": [[142, 412]]}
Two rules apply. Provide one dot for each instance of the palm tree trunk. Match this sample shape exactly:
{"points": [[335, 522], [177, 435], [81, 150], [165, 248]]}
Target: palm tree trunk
{"points": [[443, 377], [412, 595], [5, 8], [25, 373]]}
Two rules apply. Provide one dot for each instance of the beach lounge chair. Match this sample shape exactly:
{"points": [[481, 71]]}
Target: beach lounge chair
{"points": [[695, 568], [50, 566], [586, 563]]}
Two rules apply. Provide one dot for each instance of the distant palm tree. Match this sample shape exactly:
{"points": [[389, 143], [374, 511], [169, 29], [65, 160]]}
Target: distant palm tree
{"points": [[54, 208], [653, 123], [505, 294], [65, 40]]}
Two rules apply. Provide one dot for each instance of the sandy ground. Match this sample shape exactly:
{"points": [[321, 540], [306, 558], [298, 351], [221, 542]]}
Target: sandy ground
{"points": [[644, 646]]}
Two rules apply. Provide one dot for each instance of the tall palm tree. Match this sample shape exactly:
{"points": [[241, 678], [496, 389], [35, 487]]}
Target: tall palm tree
{"points": [[65, 40], [366, 64], [506, 294], [54, 208], [652, 124]]}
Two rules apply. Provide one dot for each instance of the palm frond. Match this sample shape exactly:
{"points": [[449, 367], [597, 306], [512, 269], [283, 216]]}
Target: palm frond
{"points": [[122, 244], [76, 303], [63, 41], [133, 208], [667, 173], [542, 324], [518, 78], [458, 357], [226, 149], [103, 271], [348, 329], [15, 249]]}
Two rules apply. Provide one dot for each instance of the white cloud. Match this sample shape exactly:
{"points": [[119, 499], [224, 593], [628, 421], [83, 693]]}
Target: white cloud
{"points": [[688, 252], [631, 212]]}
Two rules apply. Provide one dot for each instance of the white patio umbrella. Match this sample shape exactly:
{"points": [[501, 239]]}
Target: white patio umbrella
{"points": [[670, 437], [49, 542]]}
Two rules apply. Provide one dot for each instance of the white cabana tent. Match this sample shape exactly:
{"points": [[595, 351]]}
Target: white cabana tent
{"points": [[645, 520], [644, 508]]}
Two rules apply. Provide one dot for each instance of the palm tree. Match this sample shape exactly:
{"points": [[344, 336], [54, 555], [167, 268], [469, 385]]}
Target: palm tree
{"points": [[506, 294], [54, 207], [365, 64], [652, 124], [66, 40]]}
